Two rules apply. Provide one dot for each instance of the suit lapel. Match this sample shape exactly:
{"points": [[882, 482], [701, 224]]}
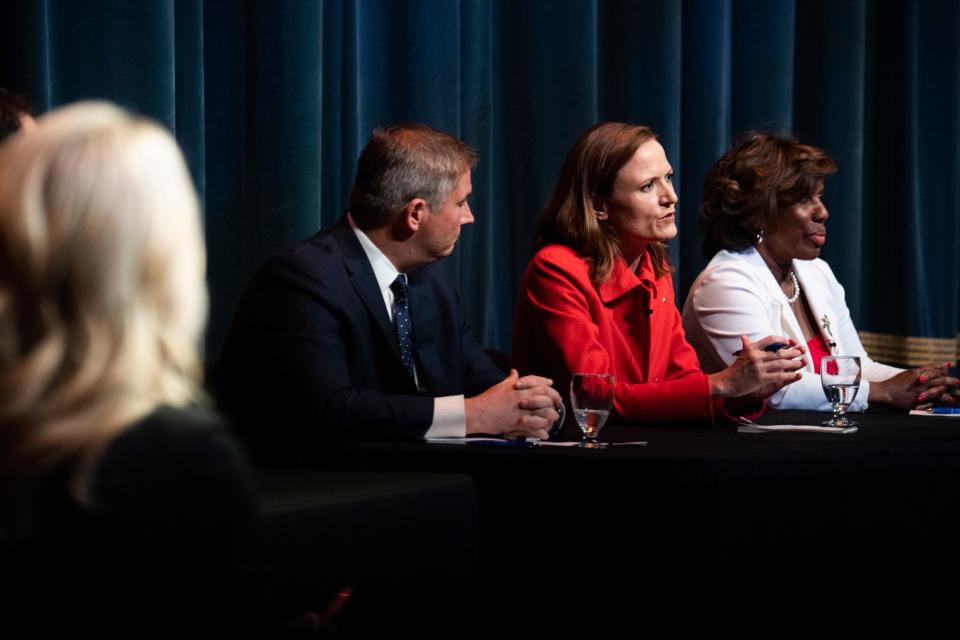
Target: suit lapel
{"points": [[788, 321], [424, 314], [824, 323], [638, 306], [363, 280]]}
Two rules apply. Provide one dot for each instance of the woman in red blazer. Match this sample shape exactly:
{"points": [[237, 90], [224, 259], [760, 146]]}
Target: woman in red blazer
{"points": [[598, 296]]}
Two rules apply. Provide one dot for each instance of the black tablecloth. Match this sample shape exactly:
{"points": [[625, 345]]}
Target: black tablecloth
{"points": [[711, 514]]}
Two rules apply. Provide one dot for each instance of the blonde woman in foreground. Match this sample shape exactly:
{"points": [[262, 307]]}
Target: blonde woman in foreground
{"points": [[121, 504]]}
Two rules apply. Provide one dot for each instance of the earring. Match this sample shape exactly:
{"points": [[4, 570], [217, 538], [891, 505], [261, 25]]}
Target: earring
{"points": [[760, 236]]}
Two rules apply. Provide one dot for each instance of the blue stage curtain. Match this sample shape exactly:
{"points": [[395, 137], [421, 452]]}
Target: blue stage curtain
{"points": [[272, 102]]}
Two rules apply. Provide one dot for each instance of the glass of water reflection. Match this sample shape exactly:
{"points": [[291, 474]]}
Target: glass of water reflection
{"points": [[840, 376], [591, 395]]}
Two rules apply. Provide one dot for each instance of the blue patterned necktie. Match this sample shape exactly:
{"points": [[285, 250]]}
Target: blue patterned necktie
{"points": [[401, 322]]}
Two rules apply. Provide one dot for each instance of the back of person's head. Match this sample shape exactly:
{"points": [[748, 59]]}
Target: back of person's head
{"points": [[761, 175], [404, 162], [102, 300], [590, 170], [14, 111]]}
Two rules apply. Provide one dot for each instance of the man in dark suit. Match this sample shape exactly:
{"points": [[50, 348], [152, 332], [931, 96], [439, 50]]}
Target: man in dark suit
{"points": [[355, 333]]}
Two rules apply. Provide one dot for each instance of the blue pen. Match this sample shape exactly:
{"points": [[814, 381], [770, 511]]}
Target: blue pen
{"points": [[945, 411], [776, 346]]}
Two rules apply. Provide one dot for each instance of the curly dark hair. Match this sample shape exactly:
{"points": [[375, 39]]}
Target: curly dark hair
{"points": [[12, 107], [762, 174]]}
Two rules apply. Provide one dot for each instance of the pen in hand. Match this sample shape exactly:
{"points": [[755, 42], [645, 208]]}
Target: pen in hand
{"points": [[776, 346]]}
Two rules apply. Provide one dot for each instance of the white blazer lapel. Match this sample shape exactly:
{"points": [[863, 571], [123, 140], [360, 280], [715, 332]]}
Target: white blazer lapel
{"points": [[816, 297], [781, 313]]}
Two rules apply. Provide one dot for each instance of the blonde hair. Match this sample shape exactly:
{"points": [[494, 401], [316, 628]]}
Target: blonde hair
{"points": [[102, 299]]}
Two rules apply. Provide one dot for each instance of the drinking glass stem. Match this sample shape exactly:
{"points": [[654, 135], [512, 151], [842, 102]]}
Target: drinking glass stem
{"points": [[838, 414]]}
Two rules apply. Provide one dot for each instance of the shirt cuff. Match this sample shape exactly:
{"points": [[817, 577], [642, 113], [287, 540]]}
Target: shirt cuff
{"points": [[449, 418], [862, 401]]}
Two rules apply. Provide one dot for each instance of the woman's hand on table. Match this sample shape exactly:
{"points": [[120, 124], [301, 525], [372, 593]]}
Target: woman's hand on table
{"points": [[918, 388]]}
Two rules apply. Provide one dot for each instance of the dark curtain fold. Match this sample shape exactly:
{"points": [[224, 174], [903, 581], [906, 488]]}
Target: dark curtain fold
{"points": [[272, 102]]}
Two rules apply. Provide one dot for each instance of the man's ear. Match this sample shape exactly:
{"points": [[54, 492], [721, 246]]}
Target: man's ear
{"points": [[414, 214], [599, 206]]}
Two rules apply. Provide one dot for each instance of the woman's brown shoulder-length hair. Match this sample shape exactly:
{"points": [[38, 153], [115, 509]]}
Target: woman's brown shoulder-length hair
{"points": [[590, 169]]}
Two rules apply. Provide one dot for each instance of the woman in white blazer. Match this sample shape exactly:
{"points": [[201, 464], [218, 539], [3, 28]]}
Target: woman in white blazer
{"points": [[765, 225]]}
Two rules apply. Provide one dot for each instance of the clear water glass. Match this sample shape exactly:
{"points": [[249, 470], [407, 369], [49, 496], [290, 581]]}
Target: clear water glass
{"points": [[591, 395], [840, 377]]}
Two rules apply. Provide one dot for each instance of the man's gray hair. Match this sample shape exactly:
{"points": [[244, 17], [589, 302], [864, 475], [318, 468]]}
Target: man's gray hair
{"points": [[404, 162]]}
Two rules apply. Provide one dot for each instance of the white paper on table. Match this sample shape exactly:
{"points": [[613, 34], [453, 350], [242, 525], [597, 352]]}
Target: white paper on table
{"points": [[533, 441], [924, 412], [764, 428], [465, 440], [507, 442], [547, 443]]}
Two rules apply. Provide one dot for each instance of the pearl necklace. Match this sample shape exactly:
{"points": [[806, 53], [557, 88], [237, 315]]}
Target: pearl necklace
{"points": [[796, 288]]}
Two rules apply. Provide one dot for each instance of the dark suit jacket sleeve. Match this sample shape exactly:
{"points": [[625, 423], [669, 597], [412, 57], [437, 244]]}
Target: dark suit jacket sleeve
{"points": [[479, 371], [312, 357], [312, 352]]}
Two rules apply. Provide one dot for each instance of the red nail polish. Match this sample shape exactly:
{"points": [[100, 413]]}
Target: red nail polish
{"points": [[921, 398], [923, 378]]}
